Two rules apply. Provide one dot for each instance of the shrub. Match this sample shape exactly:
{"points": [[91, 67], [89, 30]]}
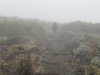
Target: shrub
{"points": [[24, 66], [79, 37], [96, 61], [98, 73], [68, 35], [82, 51], [16, 49], [91, 70], [95, 47], [4, 66], [77, 60]]}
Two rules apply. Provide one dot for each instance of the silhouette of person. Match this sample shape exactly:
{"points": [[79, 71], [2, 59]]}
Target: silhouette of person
{"points": [[55, 28]]}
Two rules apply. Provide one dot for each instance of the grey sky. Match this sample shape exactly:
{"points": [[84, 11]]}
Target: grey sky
{"points": [[53, 10]]}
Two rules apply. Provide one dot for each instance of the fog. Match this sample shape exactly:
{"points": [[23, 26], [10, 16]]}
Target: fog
{"points": [[49, 37], [52, 10]]}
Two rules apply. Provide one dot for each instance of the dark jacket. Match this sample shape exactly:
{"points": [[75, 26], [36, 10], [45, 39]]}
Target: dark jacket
{"points": [[55, 27]]}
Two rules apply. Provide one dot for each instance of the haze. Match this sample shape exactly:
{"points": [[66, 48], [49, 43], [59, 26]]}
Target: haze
{"points": [[52, 10]]}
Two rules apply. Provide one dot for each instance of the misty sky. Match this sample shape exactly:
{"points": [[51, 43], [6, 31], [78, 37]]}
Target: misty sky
{"points": [[52, 10]]}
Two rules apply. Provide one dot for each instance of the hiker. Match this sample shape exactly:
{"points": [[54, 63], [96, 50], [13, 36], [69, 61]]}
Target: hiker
{"points": [[55, 28]]}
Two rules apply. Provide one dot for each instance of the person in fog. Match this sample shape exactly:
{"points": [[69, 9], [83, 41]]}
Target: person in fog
{"points": [[55, 28]]}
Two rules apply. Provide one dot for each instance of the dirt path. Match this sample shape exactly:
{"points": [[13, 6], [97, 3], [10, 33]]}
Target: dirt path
{"points": [[56, 60]]}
